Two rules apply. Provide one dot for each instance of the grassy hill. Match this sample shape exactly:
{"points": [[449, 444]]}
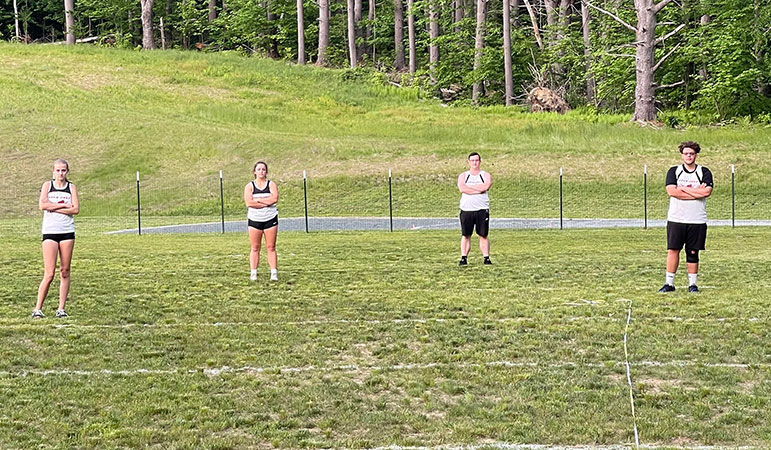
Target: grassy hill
{"points": [[180, 117]]}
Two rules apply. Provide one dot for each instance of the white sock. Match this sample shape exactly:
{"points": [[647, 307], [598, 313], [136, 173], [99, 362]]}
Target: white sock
{"points": [[273, 272], [253, 273], [692, 279], [670, 278]]}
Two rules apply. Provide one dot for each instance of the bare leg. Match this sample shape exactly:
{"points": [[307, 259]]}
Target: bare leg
{"points": [[484, 246], [465, 245], [255, 238], [693, 267], [673, 260], [270, 246], [65, 261], [50, 252]]}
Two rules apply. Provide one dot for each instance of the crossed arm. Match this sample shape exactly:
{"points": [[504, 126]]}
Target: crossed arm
{"points": [[264, 202], [64, 208], [689, 193], [475, 189]]}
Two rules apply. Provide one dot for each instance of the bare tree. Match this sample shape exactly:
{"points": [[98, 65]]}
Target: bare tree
{"points": [[411, 35], [357, 7], [508, 76], [148, 43], [321, 60], [645, 62], [433, 34], [479, 44], [69, 20], [399, 34], [370, 29], [300, 33], [534, 23], [212, 10], [16, 21], [591, 87], [351, 35], [459, 14]]}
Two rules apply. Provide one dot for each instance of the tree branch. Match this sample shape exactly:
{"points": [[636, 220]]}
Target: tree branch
{"points": [[661, 61], [621, 54], [535, 24], [664, 86], [660, 6], [668, 35], [619, 20]]}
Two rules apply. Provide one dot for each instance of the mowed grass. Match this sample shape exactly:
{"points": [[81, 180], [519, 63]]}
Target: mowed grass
{"points": [[180, 117], [374, 339]]}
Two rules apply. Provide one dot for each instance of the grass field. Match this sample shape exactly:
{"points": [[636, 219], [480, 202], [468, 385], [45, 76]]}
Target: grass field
{"points": [[379, 339], [180, 117]]}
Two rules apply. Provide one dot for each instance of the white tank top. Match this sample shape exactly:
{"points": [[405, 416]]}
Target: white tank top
{"points": [[56, 222], [261, 214], [475, 202]]}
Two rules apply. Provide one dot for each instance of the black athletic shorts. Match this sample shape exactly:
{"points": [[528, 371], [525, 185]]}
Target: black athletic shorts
{"points": [[475, 219], [59, 237], [264, 225], [693, 235]]}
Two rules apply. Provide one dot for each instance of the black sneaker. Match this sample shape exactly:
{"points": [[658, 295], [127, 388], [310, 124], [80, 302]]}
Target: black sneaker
{"points": [[463, 261], [487, 260], [667, 288], [693, 288]]}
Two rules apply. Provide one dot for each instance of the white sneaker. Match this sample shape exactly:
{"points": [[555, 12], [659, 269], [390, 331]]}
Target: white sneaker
{"points": [[253, 277], [274, 277]]}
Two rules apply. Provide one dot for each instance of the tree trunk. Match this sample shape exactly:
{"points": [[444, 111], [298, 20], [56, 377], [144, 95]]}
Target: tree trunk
{"points": [[591, 86], [459, 14], [479, 44], [411, 35], [399, 34], [357, 7], [704, 20], [169, 27], [17, 31], [551, 21], [300, 33], [163, 36], [645, 90], [508, 76], [760, 52], [321, 60], [273, 49], [351, 34], [433, 33], [147, 24], [212, 10], [370, 25], [69, 19]]}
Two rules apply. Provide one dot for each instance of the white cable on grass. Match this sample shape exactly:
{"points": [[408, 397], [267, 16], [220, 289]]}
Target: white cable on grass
{"points": [[629, 376]]}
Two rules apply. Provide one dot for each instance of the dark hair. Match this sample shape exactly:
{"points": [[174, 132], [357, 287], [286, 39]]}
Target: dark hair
{"points": [[691, 145], [254, 169], [474, 154]]}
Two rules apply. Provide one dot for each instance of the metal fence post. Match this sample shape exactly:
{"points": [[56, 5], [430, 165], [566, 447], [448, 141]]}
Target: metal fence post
{"points": [[733, 197], [139, 208], [390, 201], [222, 203], [305, 195], [645, 196], [560, 198]]}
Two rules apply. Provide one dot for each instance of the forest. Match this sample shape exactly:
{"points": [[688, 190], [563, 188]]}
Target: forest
{"points": [[671, 62]]}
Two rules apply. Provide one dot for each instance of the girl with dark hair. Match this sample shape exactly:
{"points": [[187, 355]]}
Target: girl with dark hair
{"points": [[260, 197]]}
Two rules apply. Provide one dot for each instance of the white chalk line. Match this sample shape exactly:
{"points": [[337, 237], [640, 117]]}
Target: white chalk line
{"points": [[510, 446], [629, 376], [365, 322], [354, 368]]}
